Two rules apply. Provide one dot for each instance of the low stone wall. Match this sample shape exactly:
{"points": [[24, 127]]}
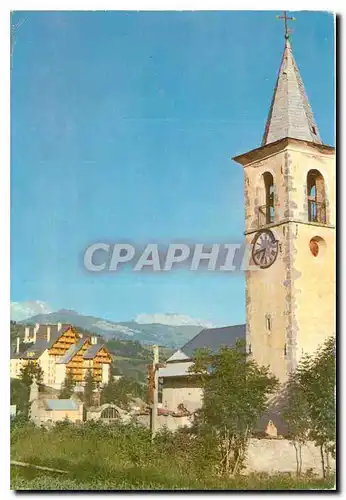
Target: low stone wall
{"points": [[279, 455], [263, 455]]}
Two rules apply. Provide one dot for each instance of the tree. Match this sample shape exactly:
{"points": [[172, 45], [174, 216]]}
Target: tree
{"points": [[107, 394], [29, 372], [310, 410], [89, 387], [68, 386], [20, 396], [296, 416], [120, 391], [235, 395]]}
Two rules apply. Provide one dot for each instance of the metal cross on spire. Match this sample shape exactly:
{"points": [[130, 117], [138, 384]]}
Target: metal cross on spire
{"points": [[285, 18]]}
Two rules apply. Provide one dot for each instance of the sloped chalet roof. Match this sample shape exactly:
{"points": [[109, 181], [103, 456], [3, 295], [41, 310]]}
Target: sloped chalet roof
{"points": [[66, 358], [34, 351], [91, 352]]}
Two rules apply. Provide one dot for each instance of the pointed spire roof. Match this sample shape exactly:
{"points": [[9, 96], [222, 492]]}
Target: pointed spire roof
{"points": [[290, 113]]}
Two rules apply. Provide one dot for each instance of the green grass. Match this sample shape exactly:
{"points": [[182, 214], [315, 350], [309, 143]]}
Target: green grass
{"points": [[123, 458], [139, 478]]}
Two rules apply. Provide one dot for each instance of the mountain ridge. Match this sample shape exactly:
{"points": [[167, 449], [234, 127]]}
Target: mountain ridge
{"points": [[173, 336]]}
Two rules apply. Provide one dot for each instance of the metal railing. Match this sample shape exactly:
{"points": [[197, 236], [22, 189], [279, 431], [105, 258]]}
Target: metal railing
{"points": [[265, 215], [317, 211]]}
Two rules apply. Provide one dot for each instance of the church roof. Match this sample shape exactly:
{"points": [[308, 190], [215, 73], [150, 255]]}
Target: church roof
{"points": [[215, 338], [211, 338], [290, 113]]}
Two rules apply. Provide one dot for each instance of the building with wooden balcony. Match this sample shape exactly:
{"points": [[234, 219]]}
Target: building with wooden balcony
{"points": [[61, 350]]}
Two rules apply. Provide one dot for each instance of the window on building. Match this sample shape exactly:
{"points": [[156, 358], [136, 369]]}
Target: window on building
{"points": [[267, 210], [316, 197], [317, 246], [268, 323]]}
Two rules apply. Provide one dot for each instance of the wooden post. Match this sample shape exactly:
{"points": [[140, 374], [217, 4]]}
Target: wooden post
{"points": [[155, 391]]}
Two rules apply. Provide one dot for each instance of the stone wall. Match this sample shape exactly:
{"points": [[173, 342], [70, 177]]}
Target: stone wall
{"points": [[278, 455], [263, 455]]}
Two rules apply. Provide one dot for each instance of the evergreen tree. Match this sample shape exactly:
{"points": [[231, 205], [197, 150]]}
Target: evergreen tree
{"points": [[89, 387], [29, 372], [68, 386], [20, 396], [120, 391]]}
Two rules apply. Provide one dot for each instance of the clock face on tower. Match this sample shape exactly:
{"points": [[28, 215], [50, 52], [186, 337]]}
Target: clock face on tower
{"points": [[265, 249]]}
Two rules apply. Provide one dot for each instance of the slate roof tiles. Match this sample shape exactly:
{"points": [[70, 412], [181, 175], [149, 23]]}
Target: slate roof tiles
{"points": [[290, 113]]}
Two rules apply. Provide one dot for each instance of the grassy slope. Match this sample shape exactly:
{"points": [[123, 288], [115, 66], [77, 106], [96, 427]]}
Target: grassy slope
{"points": [[123, 460]]}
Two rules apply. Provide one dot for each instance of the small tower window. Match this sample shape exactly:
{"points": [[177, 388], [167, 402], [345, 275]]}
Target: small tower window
{"points": [[268, 323], [267, 211], [314, 247], [317, 246], [316, 197]]}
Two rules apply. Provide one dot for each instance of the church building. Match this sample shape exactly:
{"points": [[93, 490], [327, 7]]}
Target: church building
{"points": [[289, 193]]}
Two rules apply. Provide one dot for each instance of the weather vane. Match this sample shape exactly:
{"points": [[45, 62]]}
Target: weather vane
{"points": [[285, 18]]}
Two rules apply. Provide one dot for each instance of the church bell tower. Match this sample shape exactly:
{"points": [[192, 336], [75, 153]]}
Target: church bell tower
{"points": [[290, 225]]}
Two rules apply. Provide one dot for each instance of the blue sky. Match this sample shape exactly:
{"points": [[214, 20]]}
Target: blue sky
{"points": [[123, 127]]}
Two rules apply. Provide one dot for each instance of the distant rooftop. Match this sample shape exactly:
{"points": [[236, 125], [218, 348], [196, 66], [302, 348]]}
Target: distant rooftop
{"points": [[61, 404], [34, 350]]}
